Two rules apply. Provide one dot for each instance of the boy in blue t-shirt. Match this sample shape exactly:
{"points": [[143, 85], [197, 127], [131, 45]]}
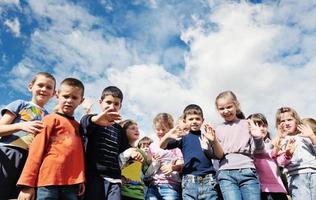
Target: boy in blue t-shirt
{"points": [[198, 181]]}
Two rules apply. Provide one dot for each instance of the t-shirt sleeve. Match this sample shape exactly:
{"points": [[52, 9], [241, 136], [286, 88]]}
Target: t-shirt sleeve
{"points": [[86, 125], [37, 150], [174, 144], [14, 107]]}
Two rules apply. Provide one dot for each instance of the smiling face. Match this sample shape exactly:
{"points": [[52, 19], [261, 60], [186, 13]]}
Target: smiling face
{"points": [[161, 128], [227, 108], [43, 88], [194, 121], [69, 98], [132, 133]]}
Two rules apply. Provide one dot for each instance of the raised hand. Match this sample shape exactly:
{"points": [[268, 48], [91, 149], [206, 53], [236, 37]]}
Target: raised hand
{"points": [[290, 147], [107, 117], [306, 130], [254, 129], [87, 105], [33, 127], [209, 133]]}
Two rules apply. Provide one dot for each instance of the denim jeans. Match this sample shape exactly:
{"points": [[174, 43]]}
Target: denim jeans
{"points": [[199, 187], [98, 188], [163, 192], [67, 192], [302, 186], [239, 184]]}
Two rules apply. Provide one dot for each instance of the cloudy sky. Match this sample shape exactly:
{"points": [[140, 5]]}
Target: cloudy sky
{"points": [[165, 54]]}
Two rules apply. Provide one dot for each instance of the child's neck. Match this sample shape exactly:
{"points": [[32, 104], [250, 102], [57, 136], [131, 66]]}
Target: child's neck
{"points": [[38, 104]]}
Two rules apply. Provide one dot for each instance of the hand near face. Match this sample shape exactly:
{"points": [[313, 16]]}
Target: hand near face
{"points": [[254, 129], [306, 130], [136, 155], [107, 117], [290, 147]]}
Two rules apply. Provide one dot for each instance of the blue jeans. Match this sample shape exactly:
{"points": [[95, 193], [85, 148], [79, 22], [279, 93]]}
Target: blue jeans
{"points": [[163, 192], [199, 187], [98, 188], [302, 186], [67, 192], [239, 184]]}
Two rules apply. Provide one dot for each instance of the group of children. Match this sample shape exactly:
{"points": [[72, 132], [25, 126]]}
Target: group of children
{"points": [[52, 156]]}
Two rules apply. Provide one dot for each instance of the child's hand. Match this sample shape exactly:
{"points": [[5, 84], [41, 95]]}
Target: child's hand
{"points": [[174, 133], [27, 193], [209, 133], [290, 147], [82, 189], [166, 168], [204, 142], [254, 129], [277, 145], [87, 105], [306, 130], [106, 118], [33, 127], [157, 157], [135, 155]]}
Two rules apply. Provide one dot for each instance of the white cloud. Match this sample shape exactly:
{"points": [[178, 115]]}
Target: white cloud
{"points": [[14, 26], [251, 49]]}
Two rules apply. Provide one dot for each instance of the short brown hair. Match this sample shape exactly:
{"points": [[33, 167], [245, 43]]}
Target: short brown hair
{"points": [[192, 109], [112, 90], [164, 118], [45, 74], [74, 83], [143, 140], [310, 122]]}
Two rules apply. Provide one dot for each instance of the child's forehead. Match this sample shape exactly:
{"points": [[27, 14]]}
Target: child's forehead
{"points": [[111, 97]]}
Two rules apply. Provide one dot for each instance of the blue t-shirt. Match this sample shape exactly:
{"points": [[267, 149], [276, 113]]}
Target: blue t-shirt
{"points": [[24, 111], [196, 161]]}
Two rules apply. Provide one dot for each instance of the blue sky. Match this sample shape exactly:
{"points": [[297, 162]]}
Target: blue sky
{"points": [[165, 54]]}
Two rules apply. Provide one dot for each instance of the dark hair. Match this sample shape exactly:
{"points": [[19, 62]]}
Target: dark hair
{"points": [[230, 94], [192, 109], [144, 139], [74, 83], [45, 74], [112, 90], [126, 123], [260, 119]]}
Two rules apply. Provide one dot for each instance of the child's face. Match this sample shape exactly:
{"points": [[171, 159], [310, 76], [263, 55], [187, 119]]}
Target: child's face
{"points": [[161, 129], [194, 121], [132, 133], [227, 109], [114, 103], [288, 123], [144, 146], [69, 98], [42, 90], [264, 129]]}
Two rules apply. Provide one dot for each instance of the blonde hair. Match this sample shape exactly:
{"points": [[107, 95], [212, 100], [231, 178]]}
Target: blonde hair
{"points": [[285, 110], [310, 122], [232, 96], [163, 118]]}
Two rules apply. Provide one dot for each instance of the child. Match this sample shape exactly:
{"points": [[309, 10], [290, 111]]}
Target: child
{"points": [[20, 121], [164, 182], [106, 140], [134, 164], [144, 143], [297, 154], [237, 174], [50, 166], [198, 181], [269, 174], [311, 123]]}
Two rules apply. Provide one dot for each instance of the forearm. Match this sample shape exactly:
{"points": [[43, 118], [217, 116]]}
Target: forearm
{"points": [[178, 166], [313, 139], [9, 129], [164, 141], [218, 150]]}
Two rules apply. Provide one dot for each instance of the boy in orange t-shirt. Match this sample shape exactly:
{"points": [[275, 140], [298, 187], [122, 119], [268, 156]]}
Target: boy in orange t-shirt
{"points": [[56, 160]]}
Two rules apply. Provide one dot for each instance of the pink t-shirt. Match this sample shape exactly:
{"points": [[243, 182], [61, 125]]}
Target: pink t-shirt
{"points": [[167, 157], [268, 171]]}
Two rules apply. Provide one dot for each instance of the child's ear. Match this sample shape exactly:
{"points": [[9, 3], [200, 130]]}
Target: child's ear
{"points": [[82, 100], [29, 87]]}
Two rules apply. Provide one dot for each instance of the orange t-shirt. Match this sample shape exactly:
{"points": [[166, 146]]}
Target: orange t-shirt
{"points": [[56, 154]]}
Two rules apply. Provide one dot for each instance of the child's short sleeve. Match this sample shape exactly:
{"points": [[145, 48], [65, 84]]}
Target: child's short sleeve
{"points": [[14, 107]]}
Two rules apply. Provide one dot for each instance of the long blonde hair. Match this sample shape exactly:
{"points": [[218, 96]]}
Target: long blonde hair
{"points": [[232, 96]]}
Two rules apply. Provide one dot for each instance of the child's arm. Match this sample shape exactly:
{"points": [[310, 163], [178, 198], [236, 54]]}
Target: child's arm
{"points": [[257, 136], [215, 145], [27, 193], [130, 153], [306, 131], [29, 175], [7, 128], [284, 158], [168, 168]]}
